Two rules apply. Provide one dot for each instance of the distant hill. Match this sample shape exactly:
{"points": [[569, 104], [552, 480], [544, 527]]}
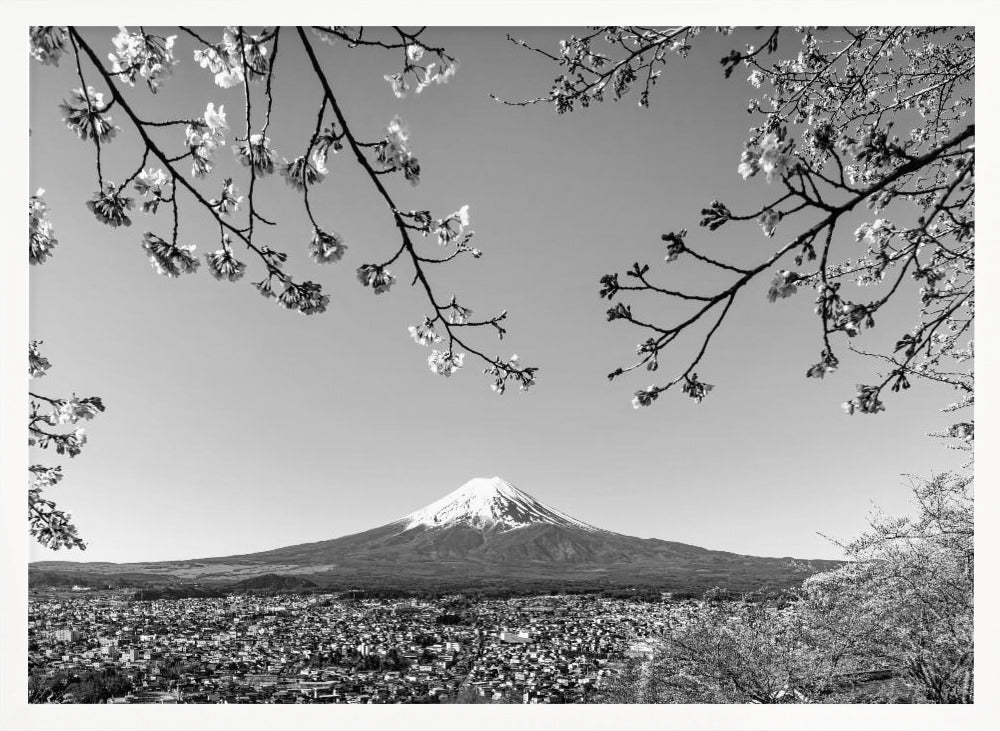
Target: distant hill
{"points": [[72, 576], [487, 533]]}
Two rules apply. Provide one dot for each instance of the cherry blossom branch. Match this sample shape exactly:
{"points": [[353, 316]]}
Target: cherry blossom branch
{"points": [[49, 525], [784, 284], [305, 297], [842, 93], [443, 314]]}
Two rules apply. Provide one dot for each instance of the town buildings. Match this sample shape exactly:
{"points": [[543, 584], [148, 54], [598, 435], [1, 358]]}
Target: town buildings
{"points": [[333, 649]]}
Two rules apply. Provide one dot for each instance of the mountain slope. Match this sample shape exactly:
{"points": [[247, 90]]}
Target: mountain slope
{"points": [[486, 531]]}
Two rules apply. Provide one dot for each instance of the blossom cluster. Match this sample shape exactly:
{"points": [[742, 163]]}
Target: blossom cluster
{"points": [[304, 172], [111, 206], [675, 244], [502, 372], [84, 114], [436, 72], [452, 227], [203, 135], [696, 389], [255, 152], [424, 334], [72, 410], [70, 444], [768, 221], [149, 56], [228, 201], [226, 59], [849, 317], [49, 526], [865, 402], [783, 285], [168, 258], [828, 363], [394, 151], [152, 184], [47, 43], [457, 314], [377, 277], [876, 234], [645, 396], [306, 298], [445, 362], [223, 264], [773, 156], [38, 364], [326, 247], [41, 241]]}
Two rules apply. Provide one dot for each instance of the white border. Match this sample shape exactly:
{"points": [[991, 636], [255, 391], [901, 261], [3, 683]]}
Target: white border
{"points": [[14, 711]]}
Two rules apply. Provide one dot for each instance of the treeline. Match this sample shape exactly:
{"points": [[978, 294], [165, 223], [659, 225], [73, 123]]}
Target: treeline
{"points": [[83, 686], [892, 625]]}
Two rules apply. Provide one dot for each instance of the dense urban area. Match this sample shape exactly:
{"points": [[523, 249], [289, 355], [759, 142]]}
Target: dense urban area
{"points": [[110, 646]]}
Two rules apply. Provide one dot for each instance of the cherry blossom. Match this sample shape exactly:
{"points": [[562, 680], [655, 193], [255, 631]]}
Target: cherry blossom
{"points": [[169, 259], [41, 240], [445, 363], [326, 247]]}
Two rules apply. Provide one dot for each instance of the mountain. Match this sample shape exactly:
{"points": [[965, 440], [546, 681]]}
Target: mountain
{"points": [[486, 533]]}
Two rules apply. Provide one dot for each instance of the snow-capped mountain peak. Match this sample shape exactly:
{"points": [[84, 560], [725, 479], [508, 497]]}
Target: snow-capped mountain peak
{"points": [[489, 503]]}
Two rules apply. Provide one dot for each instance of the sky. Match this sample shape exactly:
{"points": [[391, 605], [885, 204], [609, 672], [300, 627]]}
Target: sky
{"points": [[233, 425]]}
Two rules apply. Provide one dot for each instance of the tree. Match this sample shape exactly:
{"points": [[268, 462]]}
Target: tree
{"points": [[746, 650], [165, 188], [853, 118], [903, 602], [86, 686], [905, 598]]}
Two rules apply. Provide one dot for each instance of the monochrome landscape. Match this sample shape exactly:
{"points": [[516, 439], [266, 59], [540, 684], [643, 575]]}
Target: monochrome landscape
{"points": [[700, 300]]}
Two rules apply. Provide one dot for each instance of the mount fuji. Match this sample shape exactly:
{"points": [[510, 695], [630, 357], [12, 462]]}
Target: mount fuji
{"points": [[486, 533], [489, 504]]}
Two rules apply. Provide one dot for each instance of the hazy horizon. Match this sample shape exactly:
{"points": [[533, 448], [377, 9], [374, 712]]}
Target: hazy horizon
{"points": [[234, 426]]}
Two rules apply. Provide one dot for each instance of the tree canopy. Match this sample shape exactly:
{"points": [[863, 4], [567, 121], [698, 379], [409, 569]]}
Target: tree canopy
{"points": [[901, 607]]}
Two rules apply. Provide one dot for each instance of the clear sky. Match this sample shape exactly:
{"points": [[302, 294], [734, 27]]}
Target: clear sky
{"points": [[234, 425]]}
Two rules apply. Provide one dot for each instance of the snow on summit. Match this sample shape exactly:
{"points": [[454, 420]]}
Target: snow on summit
{"points": [[489, 503]]}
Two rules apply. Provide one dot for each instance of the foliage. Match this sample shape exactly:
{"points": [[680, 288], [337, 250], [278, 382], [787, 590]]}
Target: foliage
{"points": [[872, 118], [52, 423]]}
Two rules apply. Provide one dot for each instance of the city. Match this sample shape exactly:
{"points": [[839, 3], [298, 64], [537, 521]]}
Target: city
{"points": [[334, 649]]}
